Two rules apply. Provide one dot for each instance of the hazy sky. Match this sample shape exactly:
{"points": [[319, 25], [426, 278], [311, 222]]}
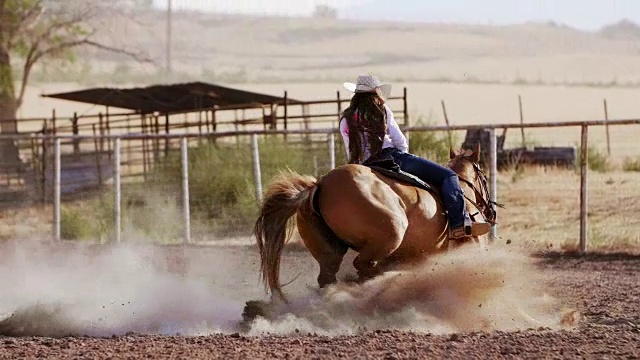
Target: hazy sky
{"points": [[584, 14]]}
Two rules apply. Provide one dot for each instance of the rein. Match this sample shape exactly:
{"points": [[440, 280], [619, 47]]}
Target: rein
{"points": [[483, 203]]}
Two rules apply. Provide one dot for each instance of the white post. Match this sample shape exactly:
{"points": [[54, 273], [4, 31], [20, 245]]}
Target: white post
{"points": [[256, 166], [57, 169], [184, 149], [332, 151], [493, 175], [117, 206], [584, 172]]}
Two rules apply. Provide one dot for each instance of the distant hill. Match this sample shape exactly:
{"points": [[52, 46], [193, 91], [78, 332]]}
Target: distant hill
{"points": [[623, 30], [237, 48]]}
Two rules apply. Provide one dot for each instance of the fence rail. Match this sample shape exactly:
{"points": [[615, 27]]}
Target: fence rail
{"points": [[117, 150]]}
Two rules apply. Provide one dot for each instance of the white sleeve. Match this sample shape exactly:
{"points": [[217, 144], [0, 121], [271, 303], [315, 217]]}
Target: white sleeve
{"points": [[398, 139], [344, 131]]}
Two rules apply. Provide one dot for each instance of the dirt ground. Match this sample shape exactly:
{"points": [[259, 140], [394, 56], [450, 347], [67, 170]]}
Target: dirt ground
{"points": [[604, 288]]}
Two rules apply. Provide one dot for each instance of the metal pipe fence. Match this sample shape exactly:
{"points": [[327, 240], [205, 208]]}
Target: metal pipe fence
{"points": [[316, 158]]}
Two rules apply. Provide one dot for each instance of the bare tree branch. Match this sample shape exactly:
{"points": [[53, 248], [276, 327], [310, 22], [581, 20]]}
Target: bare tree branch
{"points": [[51, 28], [28, 16], [35, 55]]}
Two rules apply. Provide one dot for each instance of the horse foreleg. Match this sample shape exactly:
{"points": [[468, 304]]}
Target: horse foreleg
{"points": [[324, 246], [376, 250], [365, 267]]}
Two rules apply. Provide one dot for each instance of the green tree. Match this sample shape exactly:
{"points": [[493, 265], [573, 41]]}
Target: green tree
{"points": [[32, 31]]}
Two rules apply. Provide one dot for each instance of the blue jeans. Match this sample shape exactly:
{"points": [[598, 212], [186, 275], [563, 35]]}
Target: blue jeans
{"points": [[435, 174]]}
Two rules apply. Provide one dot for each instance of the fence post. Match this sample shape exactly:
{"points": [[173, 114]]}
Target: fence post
{"points": [[332, 151], [117, 207], [286, 111], [256, 166], [339, 103], [405, 113], [493, 175], [584, 172], [184, 150], [57, 169], [524, 143], [606, 119]]}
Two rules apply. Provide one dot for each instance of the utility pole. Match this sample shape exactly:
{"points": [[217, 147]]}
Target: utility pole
{"points": [[169, 34]]}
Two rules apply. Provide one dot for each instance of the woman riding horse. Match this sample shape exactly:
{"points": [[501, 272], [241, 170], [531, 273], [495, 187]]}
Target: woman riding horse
{"points": [[370, 131], [390, 223]]}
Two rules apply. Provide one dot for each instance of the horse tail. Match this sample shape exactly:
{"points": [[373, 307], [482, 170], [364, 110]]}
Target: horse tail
{"points": [[285, 196]]}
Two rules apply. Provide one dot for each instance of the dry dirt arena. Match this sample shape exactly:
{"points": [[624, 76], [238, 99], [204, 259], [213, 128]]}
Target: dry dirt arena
{"points": [[186, 302]]}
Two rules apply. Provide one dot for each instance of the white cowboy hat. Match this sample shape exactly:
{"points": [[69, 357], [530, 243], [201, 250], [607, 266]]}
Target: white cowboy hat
{"points": [[369, 83]]}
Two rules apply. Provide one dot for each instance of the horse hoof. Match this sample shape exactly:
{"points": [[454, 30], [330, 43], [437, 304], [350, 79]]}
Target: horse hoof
{"points": [[253, 309], [351, 279]]}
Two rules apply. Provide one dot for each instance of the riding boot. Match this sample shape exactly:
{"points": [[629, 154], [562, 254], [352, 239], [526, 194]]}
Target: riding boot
{"points": [[469, 229]]}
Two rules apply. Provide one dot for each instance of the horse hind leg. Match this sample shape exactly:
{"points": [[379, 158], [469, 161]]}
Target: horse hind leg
{"points": [[323, 244]]}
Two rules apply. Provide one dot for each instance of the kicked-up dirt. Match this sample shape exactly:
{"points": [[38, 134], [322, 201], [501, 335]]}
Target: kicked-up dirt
{"points": [[604, 289]]}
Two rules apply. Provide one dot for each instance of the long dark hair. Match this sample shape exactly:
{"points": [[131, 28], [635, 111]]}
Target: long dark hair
{"points": [[365, 115]]}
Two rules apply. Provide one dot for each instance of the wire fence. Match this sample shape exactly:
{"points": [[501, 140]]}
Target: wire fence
{"points": [[207, 187]]}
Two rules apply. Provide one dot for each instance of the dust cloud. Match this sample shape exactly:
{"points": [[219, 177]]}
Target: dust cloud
{"points": [[114, 290], [104, 291], [470, 289]]}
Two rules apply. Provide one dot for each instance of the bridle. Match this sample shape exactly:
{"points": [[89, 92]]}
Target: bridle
{"points": [[483, 202]]}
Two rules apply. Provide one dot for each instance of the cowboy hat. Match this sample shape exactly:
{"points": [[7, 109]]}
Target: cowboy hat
{"points": [[369, 83]]}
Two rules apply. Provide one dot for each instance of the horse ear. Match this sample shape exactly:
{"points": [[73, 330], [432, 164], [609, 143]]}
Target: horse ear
{"points": [[476, 154], [452, 154]]}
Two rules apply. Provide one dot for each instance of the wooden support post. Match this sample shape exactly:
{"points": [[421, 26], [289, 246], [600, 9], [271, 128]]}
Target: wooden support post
{"points": [[100, 126], [606, 119], [214, 124], [166, 131], [405, 109], [107, 127], [98, 154], [446, 121], [53, 122], [339, 105], [286, 113], [74, 131], [44, 161], [156, 140], [405, 106], [264, 118], [206, 121], [129, 155], [524, 143], [272, 117], [143, 129], [235, 124]]}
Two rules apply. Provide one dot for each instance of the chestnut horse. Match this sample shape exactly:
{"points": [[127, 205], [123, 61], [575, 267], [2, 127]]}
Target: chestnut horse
{"points": [[388, 222]]}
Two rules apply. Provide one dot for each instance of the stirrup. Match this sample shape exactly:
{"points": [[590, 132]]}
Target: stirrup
{"points": [[470, 230]]}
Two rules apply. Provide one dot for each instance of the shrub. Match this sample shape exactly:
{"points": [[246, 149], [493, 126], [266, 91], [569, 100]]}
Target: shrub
{"points": [[221, 178], [74, 226], [596, 160], [631, 164]]}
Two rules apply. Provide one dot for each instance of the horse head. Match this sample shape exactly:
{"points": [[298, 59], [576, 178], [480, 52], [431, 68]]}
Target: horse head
{"points": [[466, 163]]}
